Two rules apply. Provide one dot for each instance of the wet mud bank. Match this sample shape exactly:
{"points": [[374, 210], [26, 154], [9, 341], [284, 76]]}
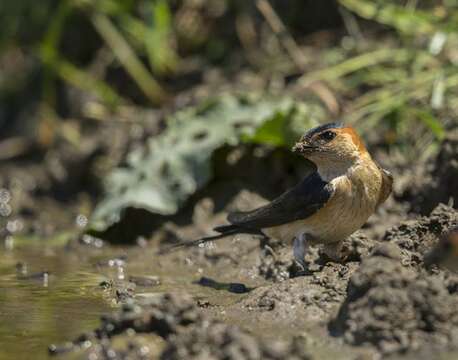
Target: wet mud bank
{"points": [[245, 298]]}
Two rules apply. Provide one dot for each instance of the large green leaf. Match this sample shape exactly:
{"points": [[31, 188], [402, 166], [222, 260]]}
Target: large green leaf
{"points": [[173, 165]]}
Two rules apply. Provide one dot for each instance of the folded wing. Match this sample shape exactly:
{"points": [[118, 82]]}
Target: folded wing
{"points": [[300, 202]]}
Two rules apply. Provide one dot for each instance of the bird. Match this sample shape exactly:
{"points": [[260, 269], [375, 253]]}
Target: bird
{"points": [[445, 252], [325, 207]]}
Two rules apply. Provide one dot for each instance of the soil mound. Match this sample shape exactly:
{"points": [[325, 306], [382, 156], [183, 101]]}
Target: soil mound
{"points": [[416, 237], [440, 184], [394, 308]]}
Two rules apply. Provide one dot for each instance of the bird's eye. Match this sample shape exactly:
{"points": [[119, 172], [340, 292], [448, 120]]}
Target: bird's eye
{"points": [[327, 135]]}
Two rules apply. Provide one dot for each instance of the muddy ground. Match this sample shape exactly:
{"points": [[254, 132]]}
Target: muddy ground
{"points": [[74, 295], [243, 298]]}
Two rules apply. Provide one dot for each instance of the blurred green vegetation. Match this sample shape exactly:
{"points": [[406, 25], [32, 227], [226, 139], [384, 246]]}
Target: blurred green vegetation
{"points": [[174, 165], [87, 82], [142, 93], [386, 65], [400, 65]]}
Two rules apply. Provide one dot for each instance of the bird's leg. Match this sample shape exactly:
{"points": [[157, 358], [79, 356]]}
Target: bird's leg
{"points": [[299, 248]]}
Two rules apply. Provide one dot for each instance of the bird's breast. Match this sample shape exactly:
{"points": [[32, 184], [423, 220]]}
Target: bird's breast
{"points": [[346, 212]]}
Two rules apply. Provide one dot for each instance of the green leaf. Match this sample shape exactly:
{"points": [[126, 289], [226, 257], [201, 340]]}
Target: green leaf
{"points": [[272, 132], [175, 164]]}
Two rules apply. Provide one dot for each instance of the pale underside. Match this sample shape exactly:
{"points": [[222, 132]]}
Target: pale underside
{"points": [[353, 201]]}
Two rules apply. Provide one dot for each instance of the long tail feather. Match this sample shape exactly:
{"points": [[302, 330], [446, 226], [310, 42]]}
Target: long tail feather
{"points": [[197, 242], [224, 230]]}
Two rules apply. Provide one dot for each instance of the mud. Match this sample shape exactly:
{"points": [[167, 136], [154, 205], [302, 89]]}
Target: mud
{"points": [[189, 334], [416, 237], [396, 309], [392, 301], [437, 182], [245, 298], [380, 299], [220, 341], [66, 173]]}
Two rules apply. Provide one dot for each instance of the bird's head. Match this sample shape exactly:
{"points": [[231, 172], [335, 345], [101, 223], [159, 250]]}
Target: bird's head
{"points": [[445, 253], [331, 144]]}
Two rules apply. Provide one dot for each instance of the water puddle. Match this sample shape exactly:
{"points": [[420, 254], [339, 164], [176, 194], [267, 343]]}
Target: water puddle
{"points": [[51, 294], [47, 295]]}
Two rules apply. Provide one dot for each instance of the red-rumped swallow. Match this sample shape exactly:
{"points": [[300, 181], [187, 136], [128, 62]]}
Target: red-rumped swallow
{"points": [[326, 206], [445, 253]]}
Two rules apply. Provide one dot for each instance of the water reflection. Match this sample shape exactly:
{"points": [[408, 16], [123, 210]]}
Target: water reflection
{"points": [[46, 296]]}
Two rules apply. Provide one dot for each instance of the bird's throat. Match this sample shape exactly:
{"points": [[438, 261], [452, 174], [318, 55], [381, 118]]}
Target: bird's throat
{"points": [[331, 170]]}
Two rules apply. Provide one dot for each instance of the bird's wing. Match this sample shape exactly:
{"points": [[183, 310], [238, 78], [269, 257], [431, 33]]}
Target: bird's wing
{"points": [[387, 186], [300, 202]]}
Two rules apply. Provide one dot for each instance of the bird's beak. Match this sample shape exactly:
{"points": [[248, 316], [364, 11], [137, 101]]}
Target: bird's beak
{"points": [[302, 148]]}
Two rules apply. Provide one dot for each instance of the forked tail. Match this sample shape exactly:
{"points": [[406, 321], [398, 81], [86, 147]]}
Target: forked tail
{"points": [[224, 230]]}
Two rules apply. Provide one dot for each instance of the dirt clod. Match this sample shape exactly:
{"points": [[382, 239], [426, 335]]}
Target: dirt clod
{"points": [[162, 315], [416, 237], [395, 309], [275, 267], [216, 340], [190, 334], [442, 185]]}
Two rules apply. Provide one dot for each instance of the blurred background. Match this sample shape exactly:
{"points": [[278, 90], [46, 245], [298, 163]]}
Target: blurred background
{"points": [[144, 121], [83, 83]]}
